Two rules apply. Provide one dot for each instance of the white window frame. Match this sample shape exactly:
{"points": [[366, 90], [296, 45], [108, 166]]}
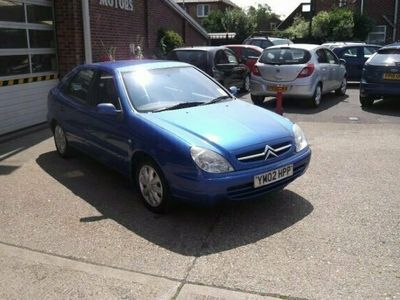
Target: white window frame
{"points": [[342, 3], [377, 31], [29, 51], [202, 8]]}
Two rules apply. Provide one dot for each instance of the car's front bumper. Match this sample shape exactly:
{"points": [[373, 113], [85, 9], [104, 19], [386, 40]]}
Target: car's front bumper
{"points": [[259, 87], [379, 89], [237, 185]]}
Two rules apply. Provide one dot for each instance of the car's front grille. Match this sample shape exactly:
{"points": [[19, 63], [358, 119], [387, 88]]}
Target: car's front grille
{"points": [[265, 153], [246, 191]]}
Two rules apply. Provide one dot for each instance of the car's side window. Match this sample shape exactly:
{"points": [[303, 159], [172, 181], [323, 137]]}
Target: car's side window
{"points": [[250, 52], [369, 51], [331, 57], [266, 44], [231, 57], [78, 87], [105, 90], [322, 59], [350, 53], [221, 58]]}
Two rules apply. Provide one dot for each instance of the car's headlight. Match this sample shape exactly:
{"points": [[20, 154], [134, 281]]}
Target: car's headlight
{"points": [[299, 137], [210, 161]]}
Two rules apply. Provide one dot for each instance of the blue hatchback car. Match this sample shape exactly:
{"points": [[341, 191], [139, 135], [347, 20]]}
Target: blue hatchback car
{"points": [[175, 131]]}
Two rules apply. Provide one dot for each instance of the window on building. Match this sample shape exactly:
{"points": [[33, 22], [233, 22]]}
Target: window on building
{"points": [[203, 10], [27, 38], [378, 35], [272, 25], [342, 3]]}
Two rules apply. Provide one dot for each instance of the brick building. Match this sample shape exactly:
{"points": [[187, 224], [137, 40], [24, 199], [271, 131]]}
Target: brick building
{"points": [[42, 39], [386, 14], [199, 9]]}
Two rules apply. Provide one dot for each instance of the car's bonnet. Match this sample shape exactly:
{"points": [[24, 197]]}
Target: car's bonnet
{"points": [[229, 125]]}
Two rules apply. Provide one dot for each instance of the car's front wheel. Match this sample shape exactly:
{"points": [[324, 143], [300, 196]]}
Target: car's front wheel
{"points": [[246, 83], [152, 186], [366, 101], [61, 141], [316, 98], [257, 100]]}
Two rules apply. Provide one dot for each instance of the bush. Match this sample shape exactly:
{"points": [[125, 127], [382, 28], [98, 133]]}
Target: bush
{"points": [[169, 40]]}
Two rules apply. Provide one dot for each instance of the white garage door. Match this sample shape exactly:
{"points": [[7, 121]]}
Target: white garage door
{"points": [[28, 67]]}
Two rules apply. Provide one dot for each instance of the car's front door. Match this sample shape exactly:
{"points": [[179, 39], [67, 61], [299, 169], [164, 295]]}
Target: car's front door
{"points": [[238, 70], [324, 70], [107, 131], [335, 70], [74, 105]]}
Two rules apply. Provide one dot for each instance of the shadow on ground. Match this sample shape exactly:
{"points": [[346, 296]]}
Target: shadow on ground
{"points": [[387, 106], [304, 106], [187, 230]]}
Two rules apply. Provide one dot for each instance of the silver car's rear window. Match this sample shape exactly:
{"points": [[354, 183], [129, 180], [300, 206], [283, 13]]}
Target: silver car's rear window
{"points": [[285, 56], [386, 57], [389, 51]]}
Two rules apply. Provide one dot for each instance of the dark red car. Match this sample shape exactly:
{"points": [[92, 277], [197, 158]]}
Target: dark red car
{"points": [[247, 53]]}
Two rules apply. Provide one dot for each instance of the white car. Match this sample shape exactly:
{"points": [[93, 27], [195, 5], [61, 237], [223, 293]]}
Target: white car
{"points": [[298, 70]]}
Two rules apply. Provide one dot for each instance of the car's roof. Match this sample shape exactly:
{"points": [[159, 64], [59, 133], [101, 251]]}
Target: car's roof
{"points": [[202, 48], [352, 45], [123, 65], [298, 46], [244, 46], [392, 46]]}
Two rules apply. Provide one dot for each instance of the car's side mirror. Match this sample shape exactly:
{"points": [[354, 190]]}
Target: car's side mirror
{"points": [[233, 90], [106, 109], [342, 62]]}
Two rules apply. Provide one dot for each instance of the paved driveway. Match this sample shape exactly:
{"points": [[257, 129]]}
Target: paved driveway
{"points": [[73, 228]]}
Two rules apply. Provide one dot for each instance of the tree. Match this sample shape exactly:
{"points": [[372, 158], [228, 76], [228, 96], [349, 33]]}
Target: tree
{"points": [[169, 40], [213, 22], [298, 30], [236, 20], [363, 25], [261, 16]]}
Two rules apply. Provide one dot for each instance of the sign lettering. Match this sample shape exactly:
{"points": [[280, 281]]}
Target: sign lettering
{"points": [[121, 4]]}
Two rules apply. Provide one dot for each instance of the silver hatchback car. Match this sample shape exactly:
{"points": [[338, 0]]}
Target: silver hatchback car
{"points": [[299, 71]]}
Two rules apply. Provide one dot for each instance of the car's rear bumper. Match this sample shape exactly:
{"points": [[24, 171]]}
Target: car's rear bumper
{"points": [[238, 185], [379, 89], [259, 87]]}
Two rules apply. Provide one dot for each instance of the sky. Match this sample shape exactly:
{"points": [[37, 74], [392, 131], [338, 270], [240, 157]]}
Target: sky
{"points": [[280, 7]]}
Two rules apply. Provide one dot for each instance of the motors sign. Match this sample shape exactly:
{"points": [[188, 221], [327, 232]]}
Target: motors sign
{"points": [[121, 4]]}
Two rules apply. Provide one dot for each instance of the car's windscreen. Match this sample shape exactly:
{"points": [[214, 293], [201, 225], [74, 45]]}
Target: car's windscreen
{"points": [[158, 89], [390, 57], [193, 57], [285, 56]]}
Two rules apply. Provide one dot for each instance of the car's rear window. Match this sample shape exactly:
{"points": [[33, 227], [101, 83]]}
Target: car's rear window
{"points": [[386, 57], [285, 56], [281, 42], [197, 58], [389, 51]]}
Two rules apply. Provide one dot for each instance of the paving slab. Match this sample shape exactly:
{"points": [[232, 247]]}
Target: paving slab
{"points": [[28, 274]]}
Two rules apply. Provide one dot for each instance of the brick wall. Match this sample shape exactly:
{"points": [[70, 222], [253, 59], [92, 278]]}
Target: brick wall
{"points": [[117, 28], [69, 34]]}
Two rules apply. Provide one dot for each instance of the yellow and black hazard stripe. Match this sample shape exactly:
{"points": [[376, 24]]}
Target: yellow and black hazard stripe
{"points": [[27, 80]]}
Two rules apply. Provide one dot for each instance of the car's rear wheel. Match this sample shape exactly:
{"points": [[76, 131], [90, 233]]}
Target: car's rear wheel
{"points": [[257, 100], [316, 98], [152, 186], [343, 88], [366, 101], [246, 83], [61, 142]]}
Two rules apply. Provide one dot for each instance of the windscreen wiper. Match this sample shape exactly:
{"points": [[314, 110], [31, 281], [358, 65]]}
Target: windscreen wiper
{"points": [[218, 99], [179, 105]]}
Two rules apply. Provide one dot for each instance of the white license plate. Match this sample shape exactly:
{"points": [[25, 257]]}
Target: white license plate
{"points": [[273, 176]]}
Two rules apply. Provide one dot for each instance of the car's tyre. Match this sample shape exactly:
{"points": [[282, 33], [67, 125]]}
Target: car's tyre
{"points": [[152, 186], [366, 101], [246, 84], [61, 142], [257, 100], [316, 98], [343, 88]]}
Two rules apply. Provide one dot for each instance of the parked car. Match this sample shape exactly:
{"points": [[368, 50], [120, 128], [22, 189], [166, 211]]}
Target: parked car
{"points": [[355, 56], [381, 75], [332, 45], [248, 54], [175, 131], [300, 70], [218, 62], [265, 41]]}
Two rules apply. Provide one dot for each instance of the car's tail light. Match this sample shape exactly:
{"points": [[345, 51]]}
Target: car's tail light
{"points": [[256, 71], [307, 71]]}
